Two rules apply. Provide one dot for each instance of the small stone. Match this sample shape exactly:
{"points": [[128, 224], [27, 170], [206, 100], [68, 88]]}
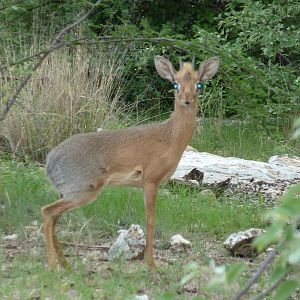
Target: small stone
{"points": [[34, 223], [240, 243], [177, 242], [92, 256], [11, 237], [191, 287], [34, 252], [208, 194], [130, 244], [33, 232], [141, 297]]}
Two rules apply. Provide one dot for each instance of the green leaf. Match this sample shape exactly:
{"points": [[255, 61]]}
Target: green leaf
{"points": [[286, 289], [167, 296], [234, 272], [191, 271], [219, 281], [269, 237], [297, 128], [18, 8], [278, 272], [294, 257]]}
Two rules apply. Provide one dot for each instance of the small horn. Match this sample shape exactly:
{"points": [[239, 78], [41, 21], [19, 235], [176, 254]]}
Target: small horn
{"points": [[193, 61], [180, 62]]}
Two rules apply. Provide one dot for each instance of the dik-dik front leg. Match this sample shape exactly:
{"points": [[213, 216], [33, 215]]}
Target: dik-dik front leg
{"points": [[150, 192]]}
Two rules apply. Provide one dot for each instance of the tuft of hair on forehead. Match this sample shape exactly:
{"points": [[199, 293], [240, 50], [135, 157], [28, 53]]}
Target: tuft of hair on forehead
{"points": [[186, 72]]}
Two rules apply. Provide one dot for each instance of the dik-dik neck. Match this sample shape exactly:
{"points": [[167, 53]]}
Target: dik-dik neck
{"points": [[183, 121]]}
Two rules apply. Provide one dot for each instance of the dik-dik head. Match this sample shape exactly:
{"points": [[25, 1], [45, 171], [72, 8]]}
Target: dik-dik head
{"points": [[187, 81]]}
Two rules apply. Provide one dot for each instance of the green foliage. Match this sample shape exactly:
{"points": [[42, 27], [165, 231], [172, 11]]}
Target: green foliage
{"points": [[286, 289], [225, 276], [258, 79], [267, 31], [248, 139], [258, 76], [297, 129], [283, 232]]}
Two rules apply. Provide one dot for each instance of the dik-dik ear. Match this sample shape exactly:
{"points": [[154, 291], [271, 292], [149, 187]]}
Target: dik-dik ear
{"points": [[208, 68], [164, 68]]}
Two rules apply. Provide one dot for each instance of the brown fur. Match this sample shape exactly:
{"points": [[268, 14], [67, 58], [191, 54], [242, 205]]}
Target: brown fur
{"points": [[140, 156]]}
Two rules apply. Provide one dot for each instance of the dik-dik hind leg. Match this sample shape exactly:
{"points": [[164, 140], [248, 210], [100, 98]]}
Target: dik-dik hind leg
{"points": [[50, 215], [150, 192]]}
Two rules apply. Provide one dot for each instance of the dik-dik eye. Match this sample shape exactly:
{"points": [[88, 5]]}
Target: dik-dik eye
{"points": [[176, 86], [199, 86]]}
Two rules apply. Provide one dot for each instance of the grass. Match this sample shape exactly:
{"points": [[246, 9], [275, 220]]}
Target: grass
{"points": [[24, 189], [248, 140], [68, 94]]}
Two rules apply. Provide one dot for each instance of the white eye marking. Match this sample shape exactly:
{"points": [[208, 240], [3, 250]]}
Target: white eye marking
{"points": [[176, 86], [199, 86]]}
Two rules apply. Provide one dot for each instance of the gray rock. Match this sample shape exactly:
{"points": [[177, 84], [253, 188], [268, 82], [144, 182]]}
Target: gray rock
{"points": [[141, 297], [130, 244], [269, 179], [240, 243], [11, 237], [177, 242]]}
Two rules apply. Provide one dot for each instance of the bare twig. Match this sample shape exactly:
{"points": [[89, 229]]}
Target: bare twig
{"points": [[112, 39], [56, 43], [271, 288], [264, 264], [57, 46], [85, 246]]}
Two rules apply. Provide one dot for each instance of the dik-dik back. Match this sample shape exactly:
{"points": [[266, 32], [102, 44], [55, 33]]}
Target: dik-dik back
{"points": [[115, 157]]}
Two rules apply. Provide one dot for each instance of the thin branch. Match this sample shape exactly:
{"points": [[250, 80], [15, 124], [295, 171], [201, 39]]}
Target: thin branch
{"points": [[10, 5], [98, 247], [54, 47], [11, 101], [56, 43], [264, 264], [104, 39], [271, 288]]}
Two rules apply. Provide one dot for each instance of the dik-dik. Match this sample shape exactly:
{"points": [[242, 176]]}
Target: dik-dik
{"points": [[141, 156]]}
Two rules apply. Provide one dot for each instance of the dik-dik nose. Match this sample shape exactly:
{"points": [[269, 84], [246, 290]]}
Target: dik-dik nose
{"points": [[186, 101], [187, 98]]}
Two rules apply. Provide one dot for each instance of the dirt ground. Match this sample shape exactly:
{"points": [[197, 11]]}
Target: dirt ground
{"points": [[94, 256]]}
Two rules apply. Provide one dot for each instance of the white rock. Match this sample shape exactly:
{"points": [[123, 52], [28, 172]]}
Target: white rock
{"points": [[217, 168], [141, 297], [247, 175], [239, 243], [34, 223], [285, 161], [130, 244], [10, 237], [178, 241]]}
